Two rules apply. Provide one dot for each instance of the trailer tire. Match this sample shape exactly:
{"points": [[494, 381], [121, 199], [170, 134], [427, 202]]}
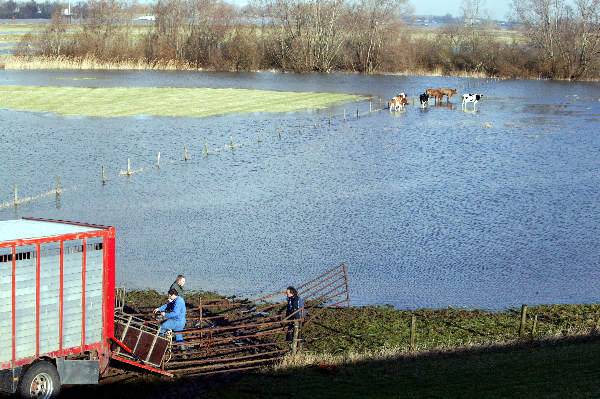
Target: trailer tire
{"points": [[41, 380]]}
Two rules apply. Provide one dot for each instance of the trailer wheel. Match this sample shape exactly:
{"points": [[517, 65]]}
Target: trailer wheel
{"points": [[41, 380]]}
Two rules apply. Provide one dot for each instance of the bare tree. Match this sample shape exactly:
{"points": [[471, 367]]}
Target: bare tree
{"points": [[308, 34], [472, 14], [375, 23], [568, 39], [52, 40]]}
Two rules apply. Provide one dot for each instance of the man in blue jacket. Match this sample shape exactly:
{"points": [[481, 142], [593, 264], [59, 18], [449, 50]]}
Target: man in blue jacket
{"points": [[174, 314]]}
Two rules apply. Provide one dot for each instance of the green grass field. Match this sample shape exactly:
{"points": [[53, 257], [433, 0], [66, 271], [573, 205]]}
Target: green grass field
{"points": [[186, 102], [364, 352], [565, 370]]}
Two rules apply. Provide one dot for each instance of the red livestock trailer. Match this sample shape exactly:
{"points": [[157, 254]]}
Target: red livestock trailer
{"points": [[57, 284]]}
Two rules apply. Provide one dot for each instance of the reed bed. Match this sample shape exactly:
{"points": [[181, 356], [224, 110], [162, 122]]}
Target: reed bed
{"points": [[92, 63], [87, 63]]}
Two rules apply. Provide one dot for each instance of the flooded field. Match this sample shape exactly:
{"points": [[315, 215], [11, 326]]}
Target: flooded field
{"points": [[428, 208]]}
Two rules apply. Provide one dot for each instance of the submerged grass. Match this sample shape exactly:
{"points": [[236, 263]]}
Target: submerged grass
{"points": [[185, 102]]}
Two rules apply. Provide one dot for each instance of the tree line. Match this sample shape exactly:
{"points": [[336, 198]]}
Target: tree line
{"points": [[27, 10], [560, 40]]}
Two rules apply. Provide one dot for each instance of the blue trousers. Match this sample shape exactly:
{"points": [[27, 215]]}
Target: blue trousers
{"points": [[174, 325]]}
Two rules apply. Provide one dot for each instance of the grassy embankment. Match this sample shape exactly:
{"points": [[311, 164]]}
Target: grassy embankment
{"points": [[365, 352], [188, 102]]}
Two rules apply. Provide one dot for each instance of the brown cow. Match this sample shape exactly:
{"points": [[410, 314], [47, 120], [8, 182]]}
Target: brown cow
{"points": [[435, 93], [448, 93]]}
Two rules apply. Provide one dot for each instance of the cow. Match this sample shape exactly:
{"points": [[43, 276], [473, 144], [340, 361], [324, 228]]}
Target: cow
{"points": [[435, 93], [448, 92], [471, 98], [424, 99], [398, 102]]}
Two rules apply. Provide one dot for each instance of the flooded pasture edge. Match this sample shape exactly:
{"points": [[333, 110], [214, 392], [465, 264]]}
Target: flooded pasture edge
{"points": [[428, 208]]}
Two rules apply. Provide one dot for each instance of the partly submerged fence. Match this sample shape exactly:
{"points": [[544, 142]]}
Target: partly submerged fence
{"points": [[374, 106]]}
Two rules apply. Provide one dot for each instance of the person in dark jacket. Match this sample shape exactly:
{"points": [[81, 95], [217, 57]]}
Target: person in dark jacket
{"points": [[294, 310], [178, 285], [174, 315]]}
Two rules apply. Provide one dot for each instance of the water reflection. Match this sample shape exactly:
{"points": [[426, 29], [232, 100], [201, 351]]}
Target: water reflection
{"points": [[429, 207]]}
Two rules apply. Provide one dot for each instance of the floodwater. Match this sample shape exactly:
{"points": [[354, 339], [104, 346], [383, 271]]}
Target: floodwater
{"points": [[427, 208]]}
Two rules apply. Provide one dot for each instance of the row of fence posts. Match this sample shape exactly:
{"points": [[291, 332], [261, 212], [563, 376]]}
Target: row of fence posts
{"points": [[16, 200], [232, 144], [296, 343], [522, 327], [186, 157]]}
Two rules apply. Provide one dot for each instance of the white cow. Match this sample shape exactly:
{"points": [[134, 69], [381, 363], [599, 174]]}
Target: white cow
{"points": [[471, 98]]}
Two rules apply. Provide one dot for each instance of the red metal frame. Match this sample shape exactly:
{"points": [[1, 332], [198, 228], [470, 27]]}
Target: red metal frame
{"points": [[60, 299], [108, 276], [83, 260], [14, 283], [37, 302], [141, 365]]}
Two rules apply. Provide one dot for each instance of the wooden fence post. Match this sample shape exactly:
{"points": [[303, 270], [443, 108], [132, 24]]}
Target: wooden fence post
{"points": [[58, 185], [280, 128], [534, 328], [103, 178], [16, 194], [185, 156], [200, 310], [523, 320], [158, 160], [206, 148], [295, 339], [413, 327]]}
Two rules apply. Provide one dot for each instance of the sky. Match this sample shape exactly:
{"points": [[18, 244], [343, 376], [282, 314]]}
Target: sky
{"points": [[497, 9]]}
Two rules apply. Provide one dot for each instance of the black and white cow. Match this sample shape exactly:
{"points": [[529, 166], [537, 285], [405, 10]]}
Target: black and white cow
{"points": [[471, 98], [424, 99]]}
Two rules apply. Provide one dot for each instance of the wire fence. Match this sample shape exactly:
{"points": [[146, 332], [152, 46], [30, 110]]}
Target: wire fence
{"points": [[347, 115]]}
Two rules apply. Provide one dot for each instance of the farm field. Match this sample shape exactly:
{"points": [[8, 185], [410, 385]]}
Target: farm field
{"points": [[190, 102], [567, 370], [502, 35], [12, 33], [377, 362]]}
